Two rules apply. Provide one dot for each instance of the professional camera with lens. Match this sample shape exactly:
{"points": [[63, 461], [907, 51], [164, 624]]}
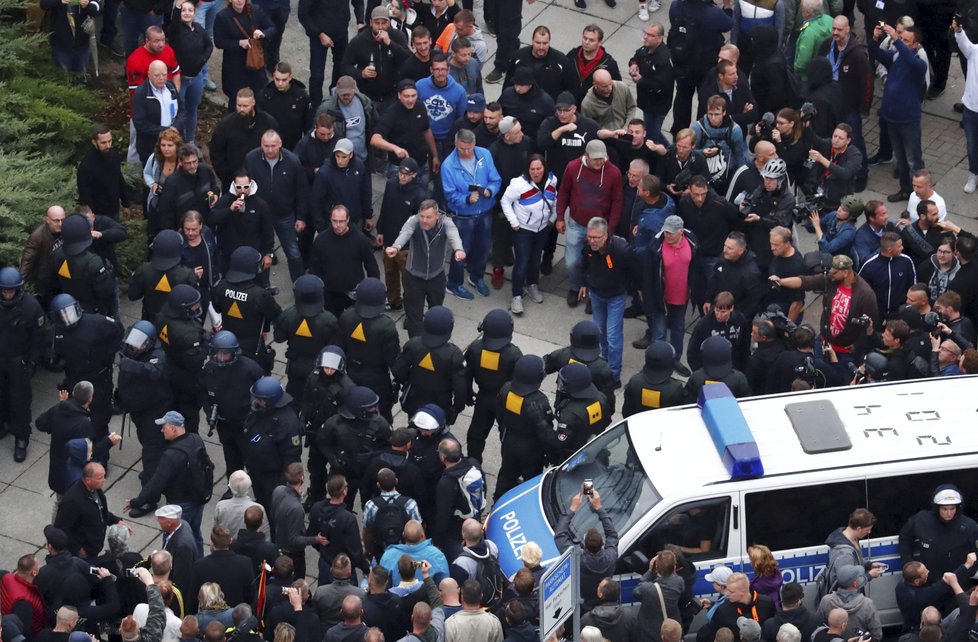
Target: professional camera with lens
{"points": [[682, 180], [861, 321], [781, 323], [930, 321], [801, 211], [743, 202]]}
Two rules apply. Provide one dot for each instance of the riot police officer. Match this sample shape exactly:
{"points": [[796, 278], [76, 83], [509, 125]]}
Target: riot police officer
{"points": [[247, 309], [272, 437], [585, 348], [155, 279], [525, 424], [80, 272], [87, 342], [351, 437], [717, 368], [227, 378], [144, 391], [653, 387], [324, 395], [582, 411], [371, 343], [307, 327], [21, 343], [431, 426], [185, 344], [431, 368], [489, 362]]}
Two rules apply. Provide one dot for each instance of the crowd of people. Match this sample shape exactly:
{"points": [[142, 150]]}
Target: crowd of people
{"points": [[651, 228]]}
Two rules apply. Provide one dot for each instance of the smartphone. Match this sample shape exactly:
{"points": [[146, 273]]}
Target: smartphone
{"points": [[883, 567], [626, 138], [285, 591], [475, 188], [417, 564], [93, 570], [587, 488], [132, 572]]}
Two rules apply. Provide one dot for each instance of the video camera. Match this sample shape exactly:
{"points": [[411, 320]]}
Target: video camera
{"points": [[781, 323], [766, 125], [801, 211]]}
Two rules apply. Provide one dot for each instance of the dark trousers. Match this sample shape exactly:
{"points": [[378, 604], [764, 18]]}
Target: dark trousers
{"points": [[231, 436], [317, 474], [279, 15], [317, 67], [682, 104], [509, 22], [15, 396], [885, 149], [110, 14], [934, 23], [483, 418], [417, 292], [298, 563], [337, 302], [150, 438], [522, 459], [501, 253], [905, 140], [186, 399]]}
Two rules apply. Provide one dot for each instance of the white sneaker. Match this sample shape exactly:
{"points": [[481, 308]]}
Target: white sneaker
{"points": [[533, 291], [516, 305], [972, 183], [654, 5], [643, 12]]}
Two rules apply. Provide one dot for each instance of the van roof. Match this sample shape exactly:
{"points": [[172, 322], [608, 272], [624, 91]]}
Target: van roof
{"points": [[883, 422]]}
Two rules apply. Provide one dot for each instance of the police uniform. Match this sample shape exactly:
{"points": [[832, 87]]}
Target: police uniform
{"points": [[489, 362], [525, 423], [247, 309], [653, 387], [82, 273], [153, 286], [371, 342], [717, 368], [307, 328], [228, 404], [184, 341], [321, 400], [273, 440], [582, 412], [940, 545], [431, 369], [585, 348], [21, 342]]}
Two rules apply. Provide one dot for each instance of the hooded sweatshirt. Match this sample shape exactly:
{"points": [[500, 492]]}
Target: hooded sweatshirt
{"points": [[825, 94], [862, 612], [590, 192]]}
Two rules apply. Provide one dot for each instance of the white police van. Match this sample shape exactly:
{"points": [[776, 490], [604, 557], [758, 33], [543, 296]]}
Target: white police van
{"points": [[781, 470]]}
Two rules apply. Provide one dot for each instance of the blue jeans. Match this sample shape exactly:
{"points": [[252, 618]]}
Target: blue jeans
{"points": [[674, 320], [574, 236], [653, 125], [905, 140], [72, 60], [609, 315], [134, 26], [969, 122], [205, 16], [476, 233], [528, 248], [192, 514], [191, 93], [285, 230]]}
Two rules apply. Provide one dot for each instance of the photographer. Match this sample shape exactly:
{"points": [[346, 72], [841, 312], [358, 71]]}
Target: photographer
{"points": [[803, 363], [600, 550], [768, 206], [901, 363], [835, 162], [948, 305], [770, 345], [792, 139], [679, 158], [836, 231]]}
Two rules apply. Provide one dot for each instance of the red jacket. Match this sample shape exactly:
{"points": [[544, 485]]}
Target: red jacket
{"points": [[13, 589], [590, 193]]}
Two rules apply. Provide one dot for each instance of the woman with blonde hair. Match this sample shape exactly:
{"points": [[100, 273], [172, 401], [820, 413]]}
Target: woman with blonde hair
{"points": [[212, 606]]}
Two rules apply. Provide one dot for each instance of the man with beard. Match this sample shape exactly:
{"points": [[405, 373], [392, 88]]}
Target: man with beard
{"points": [[100, 182], [237, 134]]}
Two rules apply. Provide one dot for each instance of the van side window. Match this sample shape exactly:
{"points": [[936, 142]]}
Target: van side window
{"points": [[800, 517], [894, 500], [699, 529]]}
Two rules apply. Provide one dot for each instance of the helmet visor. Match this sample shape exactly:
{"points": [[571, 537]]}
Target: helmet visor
{"points": [[70, 315]]}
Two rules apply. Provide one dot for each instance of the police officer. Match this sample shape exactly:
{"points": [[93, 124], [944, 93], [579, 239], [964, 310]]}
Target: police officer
{"points": [[154, 280], [431, 368], [80, 272], [585, 347], [185, 344], [717, 368], [247, 309], [489, 362], [581, 410], [227, 378], [272, 436], [307, 327], [324, 395], [653, 387], [144, 391], [87, 342], [371, 343], [431, 427], [525, 423], [352, 436], [939, 537], [21, 342]]}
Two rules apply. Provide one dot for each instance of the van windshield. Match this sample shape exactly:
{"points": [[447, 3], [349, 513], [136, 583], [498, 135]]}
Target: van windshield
{"points": [[611, 462]]}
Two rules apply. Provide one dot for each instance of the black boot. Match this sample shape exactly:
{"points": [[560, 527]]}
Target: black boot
{"points": [[20, 450]]}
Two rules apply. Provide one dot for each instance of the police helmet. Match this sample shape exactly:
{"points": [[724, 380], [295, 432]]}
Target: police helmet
{"points": [[429, 417], [371, 297], [76, 234], [437, 326], [65, 310], [528, 374], [585, 341], [574, 380], [875, 363], [140, 339], [659, 358], [774, 168], [947, 495], [184, 302], [332, 357], [308, 290], [244, 265], [11, 279], [266, 393], [165, 252], [716, 352], [496, 329], [361, 403], [224, 348]]}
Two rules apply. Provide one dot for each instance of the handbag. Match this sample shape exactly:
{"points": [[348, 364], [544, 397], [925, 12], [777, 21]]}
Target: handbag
{"points": [[255, 58]]}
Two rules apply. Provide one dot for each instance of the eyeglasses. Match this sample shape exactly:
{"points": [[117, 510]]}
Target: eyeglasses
{"points": [[596, 238]]}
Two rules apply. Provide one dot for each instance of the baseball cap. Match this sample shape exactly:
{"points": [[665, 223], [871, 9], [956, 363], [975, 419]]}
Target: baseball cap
{"points": [[379, 12], [408, 166], [596, 149], [346, 85], [672, 224], [507, 124], [172, 417], [475, 102], [841, 262], [343, 145], [170, 511], [407, 83], [719, 575], [565, 99]]}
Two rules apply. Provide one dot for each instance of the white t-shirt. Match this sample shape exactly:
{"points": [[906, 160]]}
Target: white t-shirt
{"points": [[938, 200], [171, 630]]}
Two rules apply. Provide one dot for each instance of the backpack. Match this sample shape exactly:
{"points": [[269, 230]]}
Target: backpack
{"points": [[683, 44], [389, 521], [473, 487], [490, 577], [200, 470], [822, 587]]}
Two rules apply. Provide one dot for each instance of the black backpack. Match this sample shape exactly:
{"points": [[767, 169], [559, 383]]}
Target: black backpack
{"points": [[200, 469], [389, 521], [490, 577], [683, 44]]}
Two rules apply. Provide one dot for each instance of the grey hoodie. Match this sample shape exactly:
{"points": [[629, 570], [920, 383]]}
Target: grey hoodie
{"points": [[862, 612]]}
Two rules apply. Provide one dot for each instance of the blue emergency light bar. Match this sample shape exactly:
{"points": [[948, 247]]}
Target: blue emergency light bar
{"points": [[729, 431]]}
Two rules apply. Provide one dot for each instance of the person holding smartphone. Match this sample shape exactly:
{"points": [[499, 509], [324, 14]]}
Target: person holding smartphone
{"points": [[600, 549]]}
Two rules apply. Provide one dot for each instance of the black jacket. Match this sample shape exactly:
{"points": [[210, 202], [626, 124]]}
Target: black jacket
{"points": [[855, 76], [252, 227], [289, 108], [447, 523], [233, 138], [554, 72], [146, 113], [743, 279], [654, 90], [400, 203], [339, 525], [581, 84], [62, 35], [710, 223], [65, 421], [801, 617], [769, 75], [192, 45], [184, 192], [387, 60], [342, 261], [172, 474], [611, 270], [232, 571], [84, 520], [256, 547], [349, 186], [312, 153], [331, 17], [285, 188], [101, 185], [530, 108], [742, 96], [825, 94]]}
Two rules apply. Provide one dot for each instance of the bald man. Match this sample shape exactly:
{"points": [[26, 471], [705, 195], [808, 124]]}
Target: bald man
{"points": [[419, 547], [156, 106], [610, 103], [747, 177]]}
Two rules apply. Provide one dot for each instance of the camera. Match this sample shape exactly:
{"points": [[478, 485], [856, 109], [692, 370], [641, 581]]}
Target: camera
{"points": [[807, 112], [765, 125], [743, 202], [801, 211], [930, 321], [779, 320], [132, 572], [285, 590], [587, 488], [682, 180], [417, 564], [626, 138], [861, 321]]}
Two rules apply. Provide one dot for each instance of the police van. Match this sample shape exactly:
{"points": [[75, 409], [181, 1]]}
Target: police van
{"points": [[782, 470]]}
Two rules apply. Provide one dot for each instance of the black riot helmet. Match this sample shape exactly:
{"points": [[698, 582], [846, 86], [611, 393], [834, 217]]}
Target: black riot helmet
{"points": [[361, 404], [184, 302], [497, 329], [139, 340]]}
